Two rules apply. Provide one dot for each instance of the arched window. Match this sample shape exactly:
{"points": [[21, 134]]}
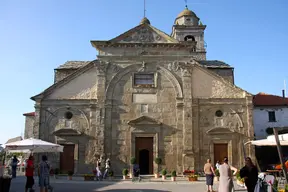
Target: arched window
{"points": [[189, 38]]}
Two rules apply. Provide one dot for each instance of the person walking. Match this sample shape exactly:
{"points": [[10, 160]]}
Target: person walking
{"points": [[43, 173], [226, 177], [98, 170], [14, 164], [250, 174], [107, 168], [29, 173], [209, 173], [218, 165]]}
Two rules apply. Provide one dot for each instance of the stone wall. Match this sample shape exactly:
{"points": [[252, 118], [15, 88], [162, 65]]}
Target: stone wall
{"points": [[227, 74], [29, 126]]}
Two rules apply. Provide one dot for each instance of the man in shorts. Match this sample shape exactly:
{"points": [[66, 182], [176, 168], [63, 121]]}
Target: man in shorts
{"points": [[44, 172], [29, 174]]}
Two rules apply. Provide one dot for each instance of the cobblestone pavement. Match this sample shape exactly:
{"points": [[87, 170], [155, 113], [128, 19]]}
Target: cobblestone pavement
{"points": [[117, 186]]}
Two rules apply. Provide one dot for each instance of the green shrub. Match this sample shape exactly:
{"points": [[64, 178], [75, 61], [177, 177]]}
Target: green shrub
{"points": [[56, 171], [164, 172], [133, 160], [70, 173], [110, 173], [217, 173], [125, 172], [158, 160], [173, 174]]}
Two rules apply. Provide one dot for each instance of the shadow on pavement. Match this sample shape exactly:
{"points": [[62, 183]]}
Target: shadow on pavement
{"points": [[134, 190], [18, 185]]}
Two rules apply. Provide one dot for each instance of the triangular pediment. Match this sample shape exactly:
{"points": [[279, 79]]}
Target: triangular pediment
{"points": [[144, 120], [144, 33], [216, 131], [67, 132]]}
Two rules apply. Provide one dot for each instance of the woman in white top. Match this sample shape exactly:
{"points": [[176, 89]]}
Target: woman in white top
{"points": [[226, 177]]}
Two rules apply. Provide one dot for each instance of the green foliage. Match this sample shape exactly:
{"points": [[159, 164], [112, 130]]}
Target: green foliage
{"points": [[56, 171], [10, 155], [70, 173], [2, 156], [125, 172], [164, 172], [173, 174], [217, 173], [158, 160], [132, 160], [200, 23], [110, 173]]}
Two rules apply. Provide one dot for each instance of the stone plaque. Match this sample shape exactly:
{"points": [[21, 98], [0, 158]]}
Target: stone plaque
{"points": [[144, 98]]}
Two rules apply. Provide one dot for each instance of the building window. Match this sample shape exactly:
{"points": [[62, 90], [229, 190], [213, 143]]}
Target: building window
{"points": [[68, 115], [189, 38], [218, 113], [144, 80], [271, 116], [144, 108]]}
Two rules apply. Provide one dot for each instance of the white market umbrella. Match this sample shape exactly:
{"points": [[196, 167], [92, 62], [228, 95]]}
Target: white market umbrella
{"points": [[270, 141], [33, 146]]}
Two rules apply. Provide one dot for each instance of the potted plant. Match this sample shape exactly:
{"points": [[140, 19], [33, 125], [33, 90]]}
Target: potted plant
{"points": [[89, 177], [173, 176], [5, 182], [164, 173], [217, 175], [110, 174], [239, 180], [125, 173], [132, 162], [70, 174], [193, 176], [158, 161], [56, 173], [186, 172]]}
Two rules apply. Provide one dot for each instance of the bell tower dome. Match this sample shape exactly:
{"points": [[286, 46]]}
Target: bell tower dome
{"points": [[187, 27]]}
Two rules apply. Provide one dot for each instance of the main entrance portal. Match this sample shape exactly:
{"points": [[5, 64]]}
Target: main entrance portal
{"points": [[144, 154], [220, 151]]}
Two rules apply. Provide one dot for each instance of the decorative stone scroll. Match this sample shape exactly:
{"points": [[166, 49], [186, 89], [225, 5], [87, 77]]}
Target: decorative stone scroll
{"points": [[115, 68], [101, 67]]}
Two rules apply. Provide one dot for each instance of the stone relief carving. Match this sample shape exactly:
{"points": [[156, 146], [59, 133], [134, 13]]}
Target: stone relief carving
{"points": [[56, 120], [230, 120], [144, 35], [184, 67]]}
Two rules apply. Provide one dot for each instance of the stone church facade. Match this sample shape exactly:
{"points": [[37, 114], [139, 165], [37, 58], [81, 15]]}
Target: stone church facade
{"points": [[147, 95]]}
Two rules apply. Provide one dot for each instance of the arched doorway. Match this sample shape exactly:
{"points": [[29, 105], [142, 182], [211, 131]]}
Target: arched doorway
{"points": [[144, 161]]}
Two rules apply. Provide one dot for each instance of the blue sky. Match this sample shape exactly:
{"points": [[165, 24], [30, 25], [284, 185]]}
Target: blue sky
{"points": [[37, 36]]}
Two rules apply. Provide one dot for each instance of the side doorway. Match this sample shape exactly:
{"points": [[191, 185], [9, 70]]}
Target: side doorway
{"points": [[67, 158]]}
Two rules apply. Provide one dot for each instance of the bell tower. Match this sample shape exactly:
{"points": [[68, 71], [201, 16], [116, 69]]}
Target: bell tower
{"points": [[187, 27]]}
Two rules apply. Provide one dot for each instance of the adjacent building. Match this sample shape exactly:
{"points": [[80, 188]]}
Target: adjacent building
{"points": [[146, 95], [269, 111]]}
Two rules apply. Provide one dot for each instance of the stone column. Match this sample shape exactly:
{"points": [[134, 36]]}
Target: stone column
{"points": [[188, 141]]}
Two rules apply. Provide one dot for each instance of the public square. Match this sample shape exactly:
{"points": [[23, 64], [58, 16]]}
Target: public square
{"points": [[119, 185]]}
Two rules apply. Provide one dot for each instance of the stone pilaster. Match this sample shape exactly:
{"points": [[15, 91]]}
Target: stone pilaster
{"points": [[179, 134], [100, 112], [187, 118]]}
